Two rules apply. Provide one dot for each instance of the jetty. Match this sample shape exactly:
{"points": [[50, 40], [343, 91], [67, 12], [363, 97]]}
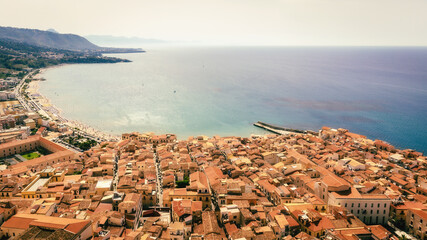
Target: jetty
{"points": [[281, 130]]}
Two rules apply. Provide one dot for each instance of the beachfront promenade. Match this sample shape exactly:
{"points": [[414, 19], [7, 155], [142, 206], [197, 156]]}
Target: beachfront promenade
{"points": [[18, 90]]}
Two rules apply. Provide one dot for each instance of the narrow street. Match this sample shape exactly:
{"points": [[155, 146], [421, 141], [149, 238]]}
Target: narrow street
{"points": [[399, 232], [159, 188], [115, 175]]}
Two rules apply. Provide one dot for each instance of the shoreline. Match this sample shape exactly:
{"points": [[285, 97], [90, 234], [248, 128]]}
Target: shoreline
{"points": [[56, 113]]}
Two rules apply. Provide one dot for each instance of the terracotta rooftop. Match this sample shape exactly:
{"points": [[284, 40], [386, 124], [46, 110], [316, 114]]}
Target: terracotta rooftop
{"points": [[23, 221], [380, 232], [210, 224], [422, 214]]}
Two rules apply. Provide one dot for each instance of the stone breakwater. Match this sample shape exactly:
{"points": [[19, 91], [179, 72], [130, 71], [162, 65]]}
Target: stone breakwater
{"points": [[281, 130]]}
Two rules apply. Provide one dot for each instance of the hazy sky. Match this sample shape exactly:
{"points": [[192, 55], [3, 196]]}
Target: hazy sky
{"points": [[245, 22]]}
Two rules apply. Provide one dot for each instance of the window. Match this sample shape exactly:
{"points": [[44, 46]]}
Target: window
{"points": [[346, 205], [372, 205], [378, 205], [371, 211], [358, 205], [352, 205], [385, 204], [366, 205]]}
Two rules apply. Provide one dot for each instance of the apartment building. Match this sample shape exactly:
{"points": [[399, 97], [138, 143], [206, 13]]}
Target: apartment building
{"points": [[370, 208]]}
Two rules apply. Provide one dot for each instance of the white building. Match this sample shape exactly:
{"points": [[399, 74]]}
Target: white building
{"points": [[370, 208], [103, 185], [396, 157], [351, 164], [230, 213]]}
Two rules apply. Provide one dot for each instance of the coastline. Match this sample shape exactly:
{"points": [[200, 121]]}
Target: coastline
{"points": [[56, 114]]}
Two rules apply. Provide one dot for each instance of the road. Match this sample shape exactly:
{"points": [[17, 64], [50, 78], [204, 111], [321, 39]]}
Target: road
{"points": [[116, 176], [29, 104], [400, 233], [18, 88], [159, 188]]}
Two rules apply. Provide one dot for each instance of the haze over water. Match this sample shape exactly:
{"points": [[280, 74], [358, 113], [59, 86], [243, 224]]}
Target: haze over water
{"points": [[378, 92]]}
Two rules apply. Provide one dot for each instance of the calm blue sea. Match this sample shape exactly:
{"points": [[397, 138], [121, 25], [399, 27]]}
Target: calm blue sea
{"points": [[378, 92]]}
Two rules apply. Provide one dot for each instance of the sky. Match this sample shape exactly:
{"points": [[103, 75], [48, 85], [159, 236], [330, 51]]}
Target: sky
{"points": [[231, 22]]}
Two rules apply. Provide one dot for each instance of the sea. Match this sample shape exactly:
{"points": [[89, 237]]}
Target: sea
{"points": [[380, 92]]}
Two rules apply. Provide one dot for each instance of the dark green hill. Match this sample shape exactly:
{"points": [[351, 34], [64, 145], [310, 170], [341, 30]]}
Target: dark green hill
{"points": [[16, 56], [47, 39]]}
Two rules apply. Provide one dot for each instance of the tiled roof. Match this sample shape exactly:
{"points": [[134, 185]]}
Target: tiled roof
{"points": [[77, 227], [17, 222], [422, 214], [23, 221], [210, 224]]}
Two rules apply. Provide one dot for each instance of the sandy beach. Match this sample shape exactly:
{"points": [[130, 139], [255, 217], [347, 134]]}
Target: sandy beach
{"points": [[55, 113]]}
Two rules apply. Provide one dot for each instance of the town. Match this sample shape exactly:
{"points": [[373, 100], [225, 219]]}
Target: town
{"points": [[60, 181], [64, 180], [333, 184]]}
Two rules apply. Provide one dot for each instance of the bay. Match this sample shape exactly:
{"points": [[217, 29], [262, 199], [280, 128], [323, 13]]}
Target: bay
{"points": [[380, 92]]}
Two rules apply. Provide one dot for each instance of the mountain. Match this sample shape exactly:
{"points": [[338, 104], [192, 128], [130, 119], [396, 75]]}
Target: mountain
{"points": [[47, 39], [108, 40]]}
